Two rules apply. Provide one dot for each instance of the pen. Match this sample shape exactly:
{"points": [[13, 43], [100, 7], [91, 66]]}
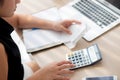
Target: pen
{"points": [[35, 28]]}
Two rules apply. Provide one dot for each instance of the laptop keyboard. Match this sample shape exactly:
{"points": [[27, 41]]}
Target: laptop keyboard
{"points": [[95, 12]]}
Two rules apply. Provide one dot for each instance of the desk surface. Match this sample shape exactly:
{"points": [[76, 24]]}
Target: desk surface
{"points": [[109, 44]]}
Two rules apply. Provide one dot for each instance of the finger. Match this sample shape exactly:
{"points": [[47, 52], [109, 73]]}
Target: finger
{"points": [[65, 66], [65, 71], [63, 62], [70, 22], [75, 21], [67, 23], [66, 30]]}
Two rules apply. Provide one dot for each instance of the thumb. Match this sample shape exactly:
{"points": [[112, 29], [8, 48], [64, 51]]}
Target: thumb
{"points": [[66, 30]]}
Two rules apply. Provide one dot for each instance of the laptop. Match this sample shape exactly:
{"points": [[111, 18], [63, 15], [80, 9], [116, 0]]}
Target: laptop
{"points": [[98, 15]]}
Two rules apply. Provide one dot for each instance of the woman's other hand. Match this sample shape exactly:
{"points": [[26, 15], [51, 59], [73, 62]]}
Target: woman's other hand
{"points": [[64, 25]]}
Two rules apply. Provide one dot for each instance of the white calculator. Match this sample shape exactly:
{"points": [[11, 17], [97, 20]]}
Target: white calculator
{"points": [[85, 57]]}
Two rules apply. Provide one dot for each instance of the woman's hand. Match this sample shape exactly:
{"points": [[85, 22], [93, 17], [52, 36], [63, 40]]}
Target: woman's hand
{"points": [[64, 25], [56, 71]]}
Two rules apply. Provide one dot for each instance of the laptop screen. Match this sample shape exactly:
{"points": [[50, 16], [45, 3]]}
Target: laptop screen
{"points": [[116, 3]]}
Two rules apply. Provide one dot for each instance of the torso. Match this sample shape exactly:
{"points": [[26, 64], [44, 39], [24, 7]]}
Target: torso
{"points": [[15, 68]]}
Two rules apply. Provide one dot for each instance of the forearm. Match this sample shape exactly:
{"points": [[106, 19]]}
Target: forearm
{"points": [[28, 21]]}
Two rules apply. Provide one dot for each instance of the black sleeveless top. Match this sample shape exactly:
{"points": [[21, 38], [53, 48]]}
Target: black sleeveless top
{"points": [[15, 68]]}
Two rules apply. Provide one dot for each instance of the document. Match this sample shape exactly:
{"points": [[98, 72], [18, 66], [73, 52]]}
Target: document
{"points": [[38, 39]]}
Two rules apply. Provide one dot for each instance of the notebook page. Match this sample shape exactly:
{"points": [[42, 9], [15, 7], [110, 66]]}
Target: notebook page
{"points": [[40, 39], [37, 39], [77, 32]]}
